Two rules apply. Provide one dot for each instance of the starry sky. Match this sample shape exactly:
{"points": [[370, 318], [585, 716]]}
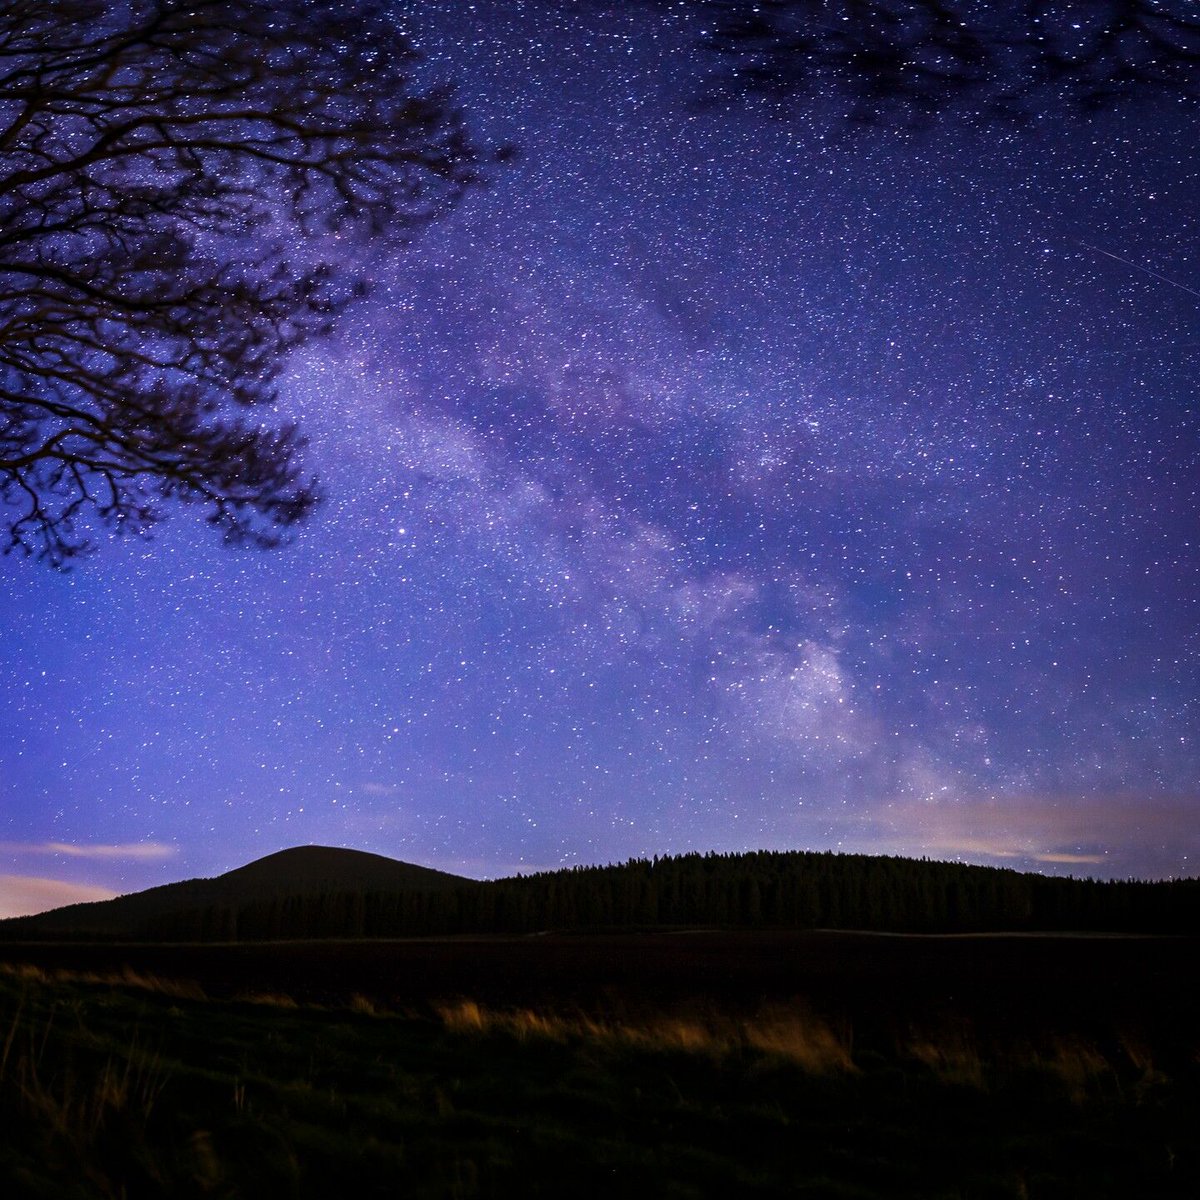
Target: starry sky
{"points": [[717, 479]]}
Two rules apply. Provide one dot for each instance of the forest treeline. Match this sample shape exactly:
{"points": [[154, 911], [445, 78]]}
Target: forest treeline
{"points": [[793, 890]]}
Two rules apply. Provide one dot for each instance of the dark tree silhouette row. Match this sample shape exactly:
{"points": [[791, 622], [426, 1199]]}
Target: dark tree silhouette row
{"points": [[760, 890]]}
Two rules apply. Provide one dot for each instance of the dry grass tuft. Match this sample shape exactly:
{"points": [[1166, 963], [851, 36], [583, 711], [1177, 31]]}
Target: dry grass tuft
{"points": [[267, 999], [803, 1039], [777, 1033], [465, 1017], [178, 989], [72, 1108], [1078, 1066], [952, 1055]]}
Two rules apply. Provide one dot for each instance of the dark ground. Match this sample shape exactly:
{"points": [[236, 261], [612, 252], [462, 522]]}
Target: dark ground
{"points": [[951, 1068]]}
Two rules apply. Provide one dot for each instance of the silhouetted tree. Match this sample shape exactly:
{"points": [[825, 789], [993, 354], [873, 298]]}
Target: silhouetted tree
{"points": [[155, 158], [916, 58]]}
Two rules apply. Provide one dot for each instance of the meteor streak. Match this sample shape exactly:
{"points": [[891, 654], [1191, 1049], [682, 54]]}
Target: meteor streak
{"points": [[1138, 267]]}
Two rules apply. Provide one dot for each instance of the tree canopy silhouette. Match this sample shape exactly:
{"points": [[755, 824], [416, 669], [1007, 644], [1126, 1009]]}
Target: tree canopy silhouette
{"points": [[913, 59], [156, 158]]}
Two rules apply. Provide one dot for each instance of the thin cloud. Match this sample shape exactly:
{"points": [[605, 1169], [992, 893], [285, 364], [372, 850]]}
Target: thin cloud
{"points": [[24, 895], [136, 851], [1063, 857], [1114, 831], [1002, 847]]}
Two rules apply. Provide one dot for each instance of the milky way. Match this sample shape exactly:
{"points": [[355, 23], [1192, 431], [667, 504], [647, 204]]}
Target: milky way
{"points": [[717, 478]]}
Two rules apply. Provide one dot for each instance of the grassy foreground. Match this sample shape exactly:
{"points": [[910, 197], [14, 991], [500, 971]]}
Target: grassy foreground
{"points": [[128, 1088]]}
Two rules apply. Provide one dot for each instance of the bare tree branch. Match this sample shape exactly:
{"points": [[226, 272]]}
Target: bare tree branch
{"points": [[155, 158]]}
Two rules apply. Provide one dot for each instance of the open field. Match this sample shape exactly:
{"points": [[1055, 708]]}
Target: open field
{"points": [[699, 1064], [1018, 983]]}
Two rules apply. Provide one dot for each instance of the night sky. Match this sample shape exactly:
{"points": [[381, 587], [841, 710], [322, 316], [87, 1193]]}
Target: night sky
{"points": [[715, 480]]}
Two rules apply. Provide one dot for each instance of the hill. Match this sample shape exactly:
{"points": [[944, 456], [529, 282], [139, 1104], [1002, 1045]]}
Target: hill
{"points": [[293, 874]]}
